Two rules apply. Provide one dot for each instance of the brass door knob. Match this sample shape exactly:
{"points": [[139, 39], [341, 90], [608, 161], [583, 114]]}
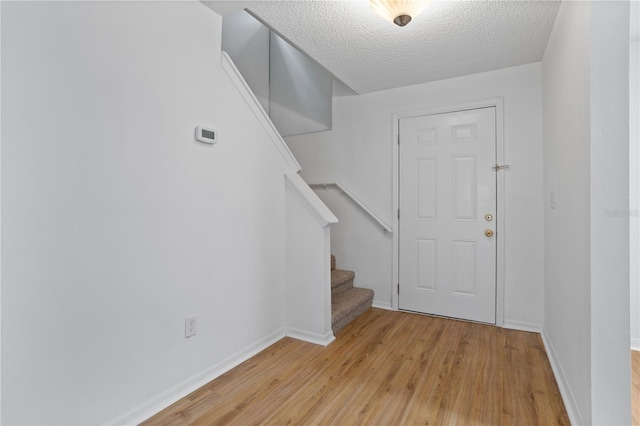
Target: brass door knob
{"points": [[488, 233]]}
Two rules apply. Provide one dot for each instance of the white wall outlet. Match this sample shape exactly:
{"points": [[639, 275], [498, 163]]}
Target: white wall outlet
{"points": [[190, 326]]}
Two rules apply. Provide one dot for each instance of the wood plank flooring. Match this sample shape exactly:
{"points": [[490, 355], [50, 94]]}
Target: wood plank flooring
{"points": [[386, 368]]}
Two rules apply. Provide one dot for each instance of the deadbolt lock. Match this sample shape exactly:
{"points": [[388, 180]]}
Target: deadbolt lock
{"points": [[488, 233], [488, 217]]}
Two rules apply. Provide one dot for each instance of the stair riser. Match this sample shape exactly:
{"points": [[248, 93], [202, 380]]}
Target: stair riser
{"points": [[342, 287], [340, 323], [347, 302]]}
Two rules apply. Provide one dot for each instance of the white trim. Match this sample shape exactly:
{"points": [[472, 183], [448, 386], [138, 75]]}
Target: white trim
{"points": [[175, 393], [565, 390], [635, 344], [501, 212], [309, 198], [523, 326], [353, 198], [498, 104], [395, 179], [315, 338], [247, 94], [382, 305], [0, 223], [327, 280]]}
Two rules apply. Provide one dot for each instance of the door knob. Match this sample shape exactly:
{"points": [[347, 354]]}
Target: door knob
{"points": [[488, 233]]}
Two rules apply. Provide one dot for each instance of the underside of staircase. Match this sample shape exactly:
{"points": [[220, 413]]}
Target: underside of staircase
{"points": [[347, 301]]}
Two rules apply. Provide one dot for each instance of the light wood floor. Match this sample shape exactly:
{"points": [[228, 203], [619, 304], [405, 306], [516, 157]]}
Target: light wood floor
{"points": [[386, 368], [635, 386]]}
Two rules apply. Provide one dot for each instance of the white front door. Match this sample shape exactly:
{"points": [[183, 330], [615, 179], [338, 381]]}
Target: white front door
{"points": [[447, 199]]}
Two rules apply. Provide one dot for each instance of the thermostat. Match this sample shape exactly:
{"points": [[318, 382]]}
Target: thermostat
{"points": [[206, 135]]}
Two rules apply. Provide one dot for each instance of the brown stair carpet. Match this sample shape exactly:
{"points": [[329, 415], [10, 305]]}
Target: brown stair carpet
{"points": [[341, 280], [347, 301]]}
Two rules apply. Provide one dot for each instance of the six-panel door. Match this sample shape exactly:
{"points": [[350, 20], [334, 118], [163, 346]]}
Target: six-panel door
{"points": [[447, 199]]}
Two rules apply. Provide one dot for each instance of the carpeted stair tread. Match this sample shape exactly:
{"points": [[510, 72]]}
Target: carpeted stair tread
{"points": [[347, 301], [348, 304], [341, 280]]}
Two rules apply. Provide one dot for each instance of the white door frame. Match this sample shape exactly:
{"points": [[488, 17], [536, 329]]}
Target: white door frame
{"points": [[498, 103]]}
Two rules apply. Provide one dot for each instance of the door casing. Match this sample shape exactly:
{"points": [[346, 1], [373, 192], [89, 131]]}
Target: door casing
{"points": [[498, 103]]}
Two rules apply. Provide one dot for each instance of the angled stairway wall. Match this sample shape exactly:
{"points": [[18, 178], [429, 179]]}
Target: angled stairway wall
{"points": [[308, 277], [294, 90], [120, 224]]}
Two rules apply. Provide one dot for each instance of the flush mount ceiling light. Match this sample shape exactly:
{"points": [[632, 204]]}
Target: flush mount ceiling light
{"points": [[399, 12]]}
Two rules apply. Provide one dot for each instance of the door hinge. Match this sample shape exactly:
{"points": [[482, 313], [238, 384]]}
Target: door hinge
{"points": [[398, 288], [398, 138], [398, 214]]}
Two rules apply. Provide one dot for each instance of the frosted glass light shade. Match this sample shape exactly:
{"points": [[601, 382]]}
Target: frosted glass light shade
{"points": [[399, 12]]}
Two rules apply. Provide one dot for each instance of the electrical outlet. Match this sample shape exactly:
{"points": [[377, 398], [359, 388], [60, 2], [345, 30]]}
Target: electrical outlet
{"points": [[190, 326]]}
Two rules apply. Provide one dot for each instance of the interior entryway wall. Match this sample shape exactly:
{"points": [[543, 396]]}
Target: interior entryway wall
{"points": [[585, 75], [358, 152], [634, 174]]}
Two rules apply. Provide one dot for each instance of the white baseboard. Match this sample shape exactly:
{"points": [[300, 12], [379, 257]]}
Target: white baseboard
{"points": [[635, 344], [522, 326], [565, 390], [315, 338], [158, 403], [382, 305]]}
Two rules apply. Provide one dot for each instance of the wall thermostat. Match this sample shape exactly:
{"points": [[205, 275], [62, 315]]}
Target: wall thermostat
{"points": [[206, 135]]}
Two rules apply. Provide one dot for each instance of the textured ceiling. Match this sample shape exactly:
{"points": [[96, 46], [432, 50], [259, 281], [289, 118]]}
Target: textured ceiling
{"points": [[449, 39]]}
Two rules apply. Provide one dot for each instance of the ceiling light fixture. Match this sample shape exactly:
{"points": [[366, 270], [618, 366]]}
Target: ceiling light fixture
{"points": [[400, 12]]}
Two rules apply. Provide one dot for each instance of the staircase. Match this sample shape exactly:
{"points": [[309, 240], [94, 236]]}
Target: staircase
{"points": [[347, 301]]}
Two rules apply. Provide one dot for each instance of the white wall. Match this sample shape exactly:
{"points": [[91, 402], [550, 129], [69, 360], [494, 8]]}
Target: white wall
{"points": [[118, 223], [610, 317], [634, 175], [585, 101], [300, 90], [360, 244], [293, 88], [308, 264], [0, 220], [246, 40], [358, 152], [566, 163]]}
